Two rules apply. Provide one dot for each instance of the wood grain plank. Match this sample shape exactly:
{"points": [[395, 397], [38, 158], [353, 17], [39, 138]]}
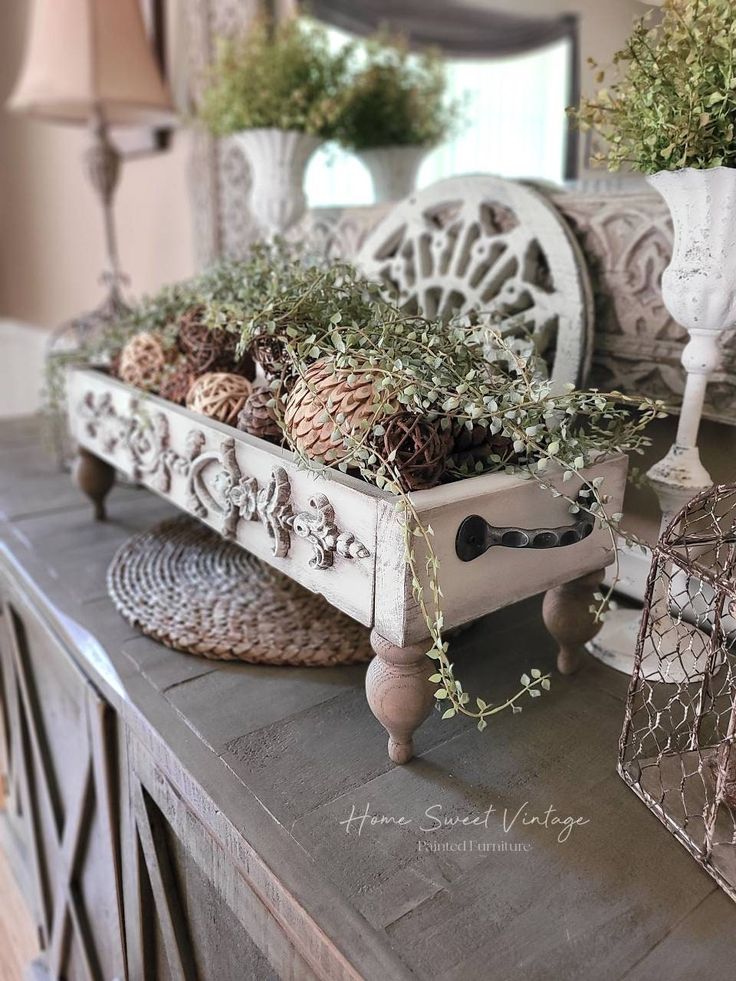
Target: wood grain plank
{"points": [[285, 763], [624, 900], [251, 696], [163, 667], [132, 510], [570, 913], [700, 938]]}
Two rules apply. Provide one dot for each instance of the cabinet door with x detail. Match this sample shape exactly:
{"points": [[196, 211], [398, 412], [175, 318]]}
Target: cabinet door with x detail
{"points": [[60, 760]]}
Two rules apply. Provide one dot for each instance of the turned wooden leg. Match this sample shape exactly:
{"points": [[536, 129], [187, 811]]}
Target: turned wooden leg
{"points": [[567, 616], [399, 694], [94, 478]]}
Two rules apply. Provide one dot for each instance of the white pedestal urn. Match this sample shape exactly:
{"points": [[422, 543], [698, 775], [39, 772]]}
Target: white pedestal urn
{"points": [[393, 169], [278, 159], [699, 291]]}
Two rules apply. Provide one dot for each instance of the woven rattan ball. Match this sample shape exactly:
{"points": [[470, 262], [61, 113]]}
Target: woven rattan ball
{"points": [[210, 349], [219, 395], [258, 418], [324, 401], [418, 447], [142, 361], [176, 382]]}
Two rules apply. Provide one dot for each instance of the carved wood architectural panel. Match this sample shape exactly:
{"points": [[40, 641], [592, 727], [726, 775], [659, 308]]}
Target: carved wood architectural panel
{"points": [[218, 489], [493, 247], [626, 239]]}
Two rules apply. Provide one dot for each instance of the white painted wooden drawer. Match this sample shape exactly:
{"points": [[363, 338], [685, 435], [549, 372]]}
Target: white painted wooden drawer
{"points": [[331, 532]]}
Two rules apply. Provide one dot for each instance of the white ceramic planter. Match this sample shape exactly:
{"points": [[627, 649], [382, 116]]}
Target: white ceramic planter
{"points": [[699, 290], [278, 159], [393, 169]]}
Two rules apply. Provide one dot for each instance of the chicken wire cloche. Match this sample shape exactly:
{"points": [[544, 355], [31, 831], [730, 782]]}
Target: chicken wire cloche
{"points": [[677, 748]]}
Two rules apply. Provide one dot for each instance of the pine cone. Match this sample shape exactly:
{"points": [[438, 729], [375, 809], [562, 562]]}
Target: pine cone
{"points": [[324, 389], [208, 349], [471, 446], [420, 449], [258, 418]]}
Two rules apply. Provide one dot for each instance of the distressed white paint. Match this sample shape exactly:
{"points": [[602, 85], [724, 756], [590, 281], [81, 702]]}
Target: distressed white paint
{"points": [[501, 576], [699, 290], [375, 590], [347, 585], [486, 244]]}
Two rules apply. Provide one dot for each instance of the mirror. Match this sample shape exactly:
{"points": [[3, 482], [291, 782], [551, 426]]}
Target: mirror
{"points": [[513, 65]]}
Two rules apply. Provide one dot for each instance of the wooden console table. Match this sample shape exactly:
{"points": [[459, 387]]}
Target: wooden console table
{"points": [[170, 817]]}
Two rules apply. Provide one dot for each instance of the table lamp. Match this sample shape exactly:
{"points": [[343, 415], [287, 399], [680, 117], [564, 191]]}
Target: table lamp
{"points": [[89, 62]]}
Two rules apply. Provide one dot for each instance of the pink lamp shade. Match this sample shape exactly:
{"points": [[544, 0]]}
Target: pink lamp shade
{"points": [[85, 58]]}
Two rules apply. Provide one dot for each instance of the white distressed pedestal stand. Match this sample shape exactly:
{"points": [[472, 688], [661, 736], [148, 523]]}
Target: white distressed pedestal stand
{"points": [[699, 291]]}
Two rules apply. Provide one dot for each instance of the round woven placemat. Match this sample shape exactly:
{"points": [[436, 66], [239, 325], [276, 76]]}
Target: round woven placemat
{"points": [[181, 584]]}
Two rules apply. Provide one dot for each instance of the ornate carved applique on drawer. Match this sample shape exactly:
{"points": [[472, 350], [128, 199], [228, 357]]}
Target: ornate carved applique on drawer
{"points": [[215, 484]]}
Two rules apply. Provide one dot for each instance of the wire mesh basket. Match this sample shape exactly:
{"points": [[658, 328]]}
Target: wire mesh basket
{"points": [[676, 750]]}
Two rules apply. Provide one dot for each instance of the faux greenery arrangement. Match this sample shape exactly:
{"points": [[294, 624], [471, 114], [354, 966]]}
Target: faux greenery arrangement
{"points": [[438, 371], [283, 77], [426, 368], [395, 99], [673, 102]]}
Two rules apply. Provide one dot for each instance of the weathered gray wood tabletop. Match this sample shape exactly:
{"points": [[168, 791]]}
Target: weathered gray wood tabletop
{"points": [[452, 866]]}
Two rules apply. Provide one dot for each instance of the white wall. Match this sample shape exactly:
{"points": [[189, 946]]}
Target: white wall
{"points": [[51, 234], [21, 368]]}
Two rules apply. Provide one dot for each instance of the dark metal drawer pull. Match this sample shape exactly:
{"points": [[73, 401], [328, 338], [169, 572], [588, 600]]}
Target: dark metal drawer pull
{"points": [[475, 536]]}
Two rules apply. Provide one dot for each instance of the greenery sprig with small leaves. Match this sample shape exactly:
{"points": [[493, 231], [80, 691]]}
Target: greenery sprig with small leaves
{"points": [[429, 368], [395, 98], [672, 101], [228, 284], [285, 77]]}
